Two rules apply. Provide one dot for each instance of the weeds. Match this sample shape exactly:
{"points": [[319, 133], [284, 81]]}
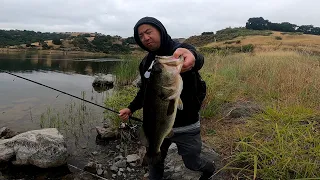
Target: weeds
{"points": [[75, 120], [283, 141], [127, 71]]}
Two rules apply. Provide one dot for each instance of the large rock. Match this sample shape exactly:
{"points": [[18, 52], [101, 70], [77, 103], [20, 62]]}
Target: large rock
{"points": [[103, 80], [107, 131], [137, 81], [241, 109], [43, 148]]}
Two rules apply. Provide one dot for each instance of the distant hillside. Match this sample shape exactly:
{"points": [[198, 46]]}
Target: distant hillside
{"points": [[277, 40], [75, 41], [222, 35], [17, 37]]}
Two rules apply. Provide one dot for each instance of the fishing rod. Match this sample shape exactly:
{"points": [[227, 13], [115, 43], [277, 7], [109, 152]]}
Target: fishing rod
{"points": [[131, 117]]}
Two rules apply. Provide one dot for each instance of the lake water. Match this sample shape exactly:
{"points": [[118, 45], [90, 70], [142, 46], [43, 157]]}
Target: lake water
{"points": [[28, 106]]}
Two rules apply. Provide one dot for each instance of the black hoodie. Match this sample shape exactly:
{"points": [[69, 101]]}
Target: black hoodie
{"points": [[193, 87]]}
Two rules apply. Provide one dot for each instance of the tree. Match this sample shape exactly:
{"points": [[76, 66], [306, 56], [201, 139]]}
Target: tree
{"points": [[130, 40], [257, 23], [56, 41], [207, 33], [306, 29], [45, 46]]}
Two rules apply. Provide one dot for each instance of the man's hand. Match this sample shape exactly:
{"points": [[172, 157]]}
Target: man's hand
{"points": [[125, 113], [189, 59]]}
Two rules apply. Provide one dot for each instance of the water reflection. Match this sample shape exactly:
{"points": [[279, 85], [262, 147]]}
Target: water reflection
{"points": [[27, 106], [26, 62]]}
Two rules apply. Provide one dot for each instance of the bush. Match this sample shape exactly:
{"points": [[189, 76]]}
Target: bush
{"points": [[228, 49], [278, 38], [56, 41]]}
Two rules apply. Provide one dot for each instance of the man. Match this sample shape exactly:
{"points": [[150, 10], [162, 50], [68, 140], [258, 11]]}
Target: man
{"points": [[151, 35]]}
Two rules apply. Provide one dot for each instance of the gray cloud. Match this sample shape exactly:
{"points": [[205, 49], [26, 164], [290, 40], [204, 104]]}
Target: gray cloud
{"points": [[182, 18]]}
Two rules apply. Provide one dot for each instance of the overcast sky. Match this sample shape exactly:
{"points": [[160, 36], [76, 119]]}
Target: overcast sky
{"points": [[182, 18]]}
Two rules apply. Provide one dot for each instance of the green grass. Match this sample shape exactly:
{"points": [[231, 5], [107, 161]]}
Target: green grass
{"points": [[231, 33], [285, 141], [280, 78], [126, 71], [282, 142], [75, 120], [119, 100]]}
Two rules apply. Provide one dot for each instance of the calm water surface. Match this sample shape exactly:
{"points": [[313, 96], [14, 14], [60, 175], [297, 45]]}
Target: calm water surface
{"points": [[27, 106]]}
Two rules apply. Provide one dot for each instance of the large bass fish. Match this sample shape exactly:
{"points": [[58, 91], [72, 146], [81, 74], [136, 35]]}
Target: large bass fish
{"points": [[162, 99]]}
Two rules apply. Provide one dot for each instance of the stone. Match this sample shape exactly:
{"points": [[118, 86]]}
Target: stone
{"points": [[121, 164], [105, 174], [103, 80], [120, 157], [106, 133], [121, 169], [114, 168], [241, 109], [133, 164], [91, 167], [137, 81], [128, 169], [173, 146], [6, 133], [176, 170], [146, 175], [99, 169], [132, 158], [94, 153], [44, 148], [114, 175]]}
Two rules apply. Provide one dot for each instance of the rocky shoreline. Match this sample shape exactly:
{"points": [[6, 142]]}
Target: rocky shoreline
{"points": [[123, 159]]}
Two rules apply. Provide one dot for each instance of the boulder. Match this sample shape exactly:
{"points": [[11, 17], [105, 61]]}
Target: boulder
{"points": [[43, 148], [103, 80]]}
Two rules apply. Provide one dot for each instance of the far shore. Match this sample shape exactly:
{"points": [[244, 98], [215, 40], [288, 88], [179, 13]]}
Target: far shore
{"points": [[7, 50]]}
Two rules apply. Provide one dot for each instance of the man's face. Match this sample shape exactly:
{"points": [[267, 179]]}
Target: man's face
{"points": [[149, 36]]}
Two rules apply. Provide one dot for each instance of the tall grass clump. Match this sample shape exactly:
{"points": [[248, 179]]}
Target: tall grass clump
{"points": [[281, 78], [119, 100], [127, 70], [281, 142], [75, 120]]}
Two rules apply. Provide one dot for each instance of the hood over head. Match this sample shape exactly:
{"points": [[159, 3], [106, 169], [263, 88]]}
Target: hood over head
{"points": [[166, 42]]}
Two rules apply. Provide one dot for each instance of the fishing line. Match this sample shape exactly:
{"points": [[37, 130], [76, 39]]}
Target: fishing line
{"points": [[131, 117]]}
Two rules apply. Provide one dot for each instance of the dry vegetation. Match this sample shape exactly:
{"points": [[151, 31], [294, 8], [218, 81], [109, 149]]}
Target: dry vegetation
{"points": [[276, 41], [283, 141]]}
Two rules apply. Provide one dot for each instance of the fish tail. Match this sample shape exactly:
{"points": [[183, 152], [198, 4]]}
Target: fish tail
{"points": [[155, 159]]}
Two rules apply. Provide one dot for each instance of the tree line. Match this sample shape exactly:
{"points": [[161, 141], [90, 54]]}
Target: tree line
{"points": [[101, 43], [259, 23], [17, 37]]}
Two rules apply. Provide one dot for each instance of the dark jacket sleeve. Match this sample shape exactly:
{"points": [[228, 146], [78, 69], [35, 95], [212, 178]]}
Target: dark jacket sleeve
{"points": [[199, 58], [137, 102]]}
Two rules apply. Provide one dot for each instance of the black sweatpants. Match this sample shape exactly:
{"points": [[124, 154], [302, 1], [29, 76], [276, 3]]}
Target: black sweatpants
{"points": [[189, 148]]}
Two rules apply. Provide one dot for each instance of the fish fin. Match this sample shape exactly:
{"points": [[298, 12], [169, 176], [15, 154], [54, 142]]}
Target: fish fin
{"points": [[180, 104], [170, 109], [178, 90], [170, 134]]}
